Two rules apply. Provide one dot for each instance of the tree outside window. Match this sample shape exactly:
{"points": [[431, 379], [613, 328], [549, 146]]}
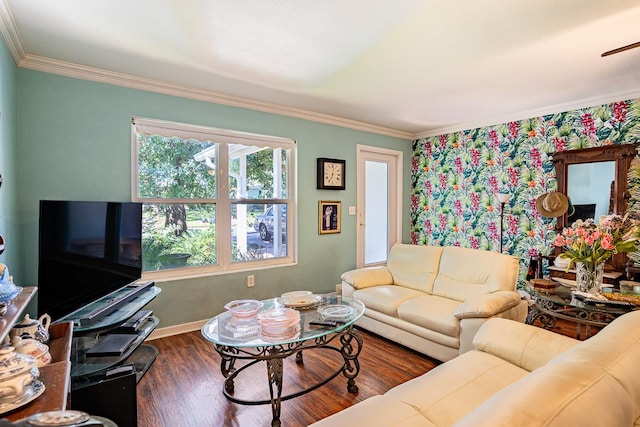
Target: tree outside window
{"points": [[212, 201]]}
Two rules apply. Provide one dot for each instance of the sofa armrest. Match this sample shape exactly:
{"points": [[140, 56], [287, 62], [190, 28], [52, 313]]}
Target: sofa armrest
{"points": [[524, 345], [367, 277], [487, 305]]}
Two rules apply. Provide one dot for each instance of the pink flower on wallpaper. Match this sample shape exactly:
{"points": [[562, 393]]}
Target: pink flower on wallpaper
{"points": [[514, 129], [536, 159], [513, 224], [619, 112], [560, 144], [475, 242], [414, 201], [475, 201], [443, 181], [458, 163], [428, 148], [443, 221], [493, 184], [493, 230], [475, 157], [428, 228], [414, 165], [589, 127], [458, 206], [514, 176], [493, 139], [443, 142], [533, 252], [428, 188]]}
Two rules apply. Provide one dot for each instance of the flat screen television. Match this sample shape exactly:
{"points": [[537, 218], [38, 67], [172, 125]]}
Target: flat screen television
{"points": [[86, 251]]}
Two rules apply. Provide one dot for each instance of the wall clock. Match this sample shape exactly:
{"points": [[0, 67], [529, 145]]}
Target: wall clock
{"points": [[331, 174]]}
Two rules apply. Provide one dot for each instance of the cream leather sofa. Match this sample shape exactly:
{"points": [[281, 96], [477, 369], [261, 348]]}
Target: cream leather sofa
{"points": [[518, 375], [434, 299]]}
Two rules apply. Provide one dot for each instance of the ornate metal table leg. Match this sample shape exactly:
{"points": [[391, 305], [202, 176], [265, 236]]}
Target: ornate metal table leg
{"points": [[531, 316], [299, 358], [351, 346], [274, 371], [227, 367]]}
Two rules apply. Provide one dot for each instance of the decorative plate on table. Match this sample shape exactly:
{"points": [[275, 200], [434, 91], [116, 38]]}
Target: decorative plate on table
{"points": [[304, 302], [59, 418], [336, 312], [32, 391], [565, 282]]}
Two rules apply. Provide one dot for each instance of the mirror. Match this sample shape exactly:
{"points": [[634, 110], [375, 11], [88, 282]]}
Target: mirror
{"points": [[589, 189], [595, 176]]}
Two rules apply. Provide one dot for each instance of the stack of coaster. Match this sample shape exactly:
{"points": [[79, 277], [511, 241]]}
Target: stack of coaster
{"points": [[545, 284]]}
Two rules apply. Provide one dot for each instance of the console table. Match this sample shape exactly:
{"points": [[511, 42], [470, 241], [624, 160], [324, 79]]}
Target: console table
{"points": [[342, 338], [560, 303]]}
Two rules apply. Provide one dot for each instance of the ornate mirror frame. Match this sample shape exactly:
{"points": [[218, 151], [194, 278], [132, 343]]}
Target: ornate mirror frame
{"points": [[621, 154]]}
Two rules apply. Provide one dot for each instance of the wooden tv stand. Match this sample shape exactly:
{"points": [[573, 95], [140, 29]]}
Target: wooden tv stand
{"points": [[57, 374]]}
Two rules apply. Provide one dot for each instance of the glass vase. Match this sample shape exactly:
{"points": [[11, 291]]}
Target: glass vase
{"points": [[589, 277]]}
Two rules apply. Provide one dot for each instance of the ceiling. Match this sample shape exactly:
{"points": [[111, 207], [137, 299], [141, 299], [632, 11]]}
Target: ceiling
{"points": [[406, 68]]}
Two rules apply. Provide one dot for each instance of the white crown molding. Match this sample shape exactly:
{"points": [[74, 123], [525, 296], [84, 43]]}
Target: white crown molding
{"points": [[68, 69], [10, 33], [538, 112]]}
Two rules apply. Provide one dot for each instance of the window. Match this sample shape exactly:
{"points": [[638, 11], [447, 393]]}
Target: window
{"points": [[214, 200]]}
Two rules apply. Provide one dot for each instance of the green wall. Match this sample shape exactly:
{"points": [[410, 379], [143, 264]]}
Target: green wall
{"points": [[9, 226], [75, 144]]}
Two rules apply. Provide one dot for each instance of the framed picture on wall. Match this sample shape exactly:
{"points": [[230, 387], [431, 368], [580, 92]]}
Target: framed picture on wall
{"points": [[329, 216]]}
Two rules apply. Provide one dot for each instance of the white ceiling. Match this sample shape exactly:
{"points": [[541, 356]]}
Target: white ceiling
{"points": [[406, 68]]}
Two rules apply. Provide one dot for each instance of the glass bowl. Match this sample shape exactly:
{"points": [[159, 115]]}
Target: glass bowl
{"points": [[296, 297], [244, 309]]}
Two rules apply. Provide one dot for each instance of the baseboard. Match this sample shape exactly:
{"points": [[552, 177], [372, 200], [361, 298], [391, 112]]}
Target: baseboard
{"points": [[177, 329]]}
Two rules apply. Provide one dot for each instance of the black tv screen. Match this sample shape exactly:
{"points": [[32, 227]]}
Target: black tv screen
{"points": [[86, 250]]}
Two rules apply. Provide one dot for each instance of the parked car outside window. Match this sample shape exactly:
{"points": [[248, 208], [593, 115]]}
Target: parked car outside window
{"points": [[264, 223]]}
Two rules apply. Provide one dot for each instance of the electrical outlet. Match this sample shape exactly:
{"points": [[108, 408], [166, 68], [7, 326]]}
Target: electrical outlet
{"points": [[250, 281], [352, 210]]}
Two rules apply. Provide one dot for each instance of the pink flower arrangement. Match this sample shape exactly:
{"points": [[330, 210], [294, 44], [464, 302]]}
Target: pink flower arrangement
{"points": [[593, 244]]}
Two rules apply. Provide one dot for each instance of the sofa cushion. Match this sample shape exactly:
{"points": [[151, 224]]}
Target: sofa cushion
{"points": [[385, 299], [468, 273], [520, 344], [366, 277], [414, 266], [378, 411], [450, 391], [592, 383], [431, 312]]}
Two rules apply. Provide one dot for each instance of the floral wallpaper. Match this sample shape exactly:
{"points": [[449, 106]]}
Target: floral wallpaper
{"points": [[456, 177]]}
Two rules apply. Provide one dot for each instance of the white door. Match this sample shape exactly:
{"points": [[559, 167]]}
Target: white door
{"points": [[379, 206]]}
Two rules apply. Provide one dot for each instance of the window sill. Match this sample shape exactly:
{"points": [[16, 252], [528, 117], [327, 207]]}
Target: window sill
{"points": [[196, 272]]}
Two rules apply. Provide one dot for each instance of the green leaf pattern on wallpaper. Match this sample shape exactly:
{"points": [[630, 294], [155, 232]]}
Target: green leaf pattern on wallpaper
{"points": [[456, 177]]}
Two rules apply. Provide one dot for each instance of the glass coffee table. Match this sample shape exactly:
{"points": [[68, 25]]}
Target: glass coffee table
{"points": [[341, 338], [560, 303]]}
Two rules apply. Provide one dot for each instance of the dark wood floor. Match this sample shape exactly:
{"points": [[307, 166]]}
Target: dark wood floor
{"points": [[184, 385]]}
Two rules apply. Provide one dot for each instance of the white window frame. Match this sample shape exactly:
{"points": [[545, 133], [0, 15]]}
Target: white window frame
{"points": [[223, 203]]}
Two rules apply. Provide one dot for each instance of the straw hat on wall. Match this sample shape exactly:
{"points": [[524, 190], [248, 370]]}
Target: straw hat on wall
{"points": [[552, 204]]}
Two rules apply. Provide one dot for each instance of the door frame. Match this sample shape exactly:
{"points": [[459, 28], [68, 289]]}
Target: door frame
{"points": [[395, 158]]}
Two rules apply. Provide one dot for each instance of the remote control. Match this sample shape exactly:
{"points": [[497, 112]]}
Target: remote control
{"points": [[331, 323]]}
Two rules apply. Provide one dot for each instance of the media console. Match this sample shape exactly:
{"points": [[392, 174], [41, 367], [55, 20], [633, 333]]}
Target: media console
{"points": [[108, 310], [94, 372]]}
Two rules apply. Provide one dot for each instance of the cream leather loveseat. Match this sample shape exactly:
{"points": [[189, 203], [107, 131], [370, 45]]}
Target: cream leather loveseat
{"points": [[434, 299], [518, 375]]}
